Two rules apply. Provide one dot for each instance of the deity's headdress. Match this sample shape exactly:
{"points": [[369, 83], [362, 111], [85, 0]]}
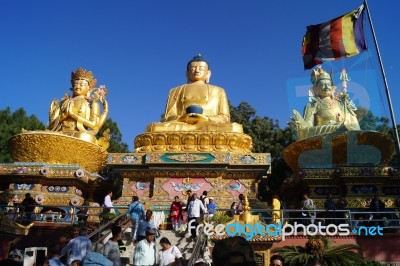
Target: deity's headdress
{"points": [[80, 73], [320, 74], [198, 58]]}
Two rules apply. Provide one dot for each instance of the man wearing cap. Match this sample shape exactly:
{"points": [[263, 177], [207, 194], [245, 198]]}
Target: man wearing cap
{"points": [[143, 225], [145, 250]]}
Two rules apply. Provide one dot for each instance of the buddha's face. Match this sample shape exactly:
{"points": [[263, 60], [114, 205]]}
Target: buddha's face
{"points": [[81, 87], [324, 88], [198, 71]]}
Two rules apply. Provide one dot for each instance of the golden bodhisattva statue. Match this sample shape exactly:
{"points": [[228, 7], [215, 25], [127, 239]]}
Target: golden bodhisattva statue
{"points": [[198, 108], [74, 122], [325, 112], [80, 116]]}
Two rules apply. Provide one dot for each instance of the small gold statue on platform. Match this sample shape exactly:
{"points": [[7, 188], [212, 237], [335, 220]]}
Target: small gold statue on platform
{"points": [[325, 112], [196, 105], [80, 115]]}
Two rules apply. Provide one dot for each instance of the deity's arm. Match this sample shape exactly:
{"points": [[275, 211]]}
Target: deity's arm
{"points": [[96, 120], [219, 96], [350, 117], [65, 106], [305, 121], [54, 115], [171, 108], [309, 112], [103, 116]]}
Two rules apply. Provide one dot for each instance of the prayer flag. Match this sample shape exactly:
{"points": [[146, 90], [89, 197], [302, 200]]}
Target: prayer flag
{"points": [[335, 39]]}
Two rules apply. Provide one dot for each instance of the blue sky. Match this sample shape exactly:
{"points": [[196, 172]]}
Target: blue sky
{"points": [[139, 50]]}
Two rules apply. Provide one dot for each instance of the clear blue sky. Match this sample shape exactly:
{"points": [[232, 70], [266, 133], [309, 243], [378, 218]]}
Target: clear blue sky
{"points": [[139, 50]]}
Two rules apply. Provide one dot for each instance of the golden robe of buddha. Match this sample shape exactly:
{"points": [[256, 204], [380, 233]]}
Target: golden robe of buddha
{"points": [[325, 112], [197, 105]]}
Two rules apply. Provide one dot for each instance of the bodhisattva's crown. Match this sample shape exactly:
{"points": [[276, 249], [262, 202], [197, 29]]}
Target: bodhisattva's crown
{"points": [[80, 73], [320, 74]]}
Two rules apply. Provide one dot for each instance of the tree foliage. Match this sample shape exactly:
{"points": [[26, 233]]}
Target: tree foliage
{"points": [[266, 134], [368, 121], [319, 248], [267, 137], [113, 182], [116, 143], [12, 123]]}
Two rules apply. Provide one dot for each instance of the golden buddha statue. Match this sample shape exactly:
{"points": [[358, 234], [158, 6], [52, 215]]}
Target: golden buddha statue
{"points": [[80, 115], [196, 118], [197, 105], [325, 111]]}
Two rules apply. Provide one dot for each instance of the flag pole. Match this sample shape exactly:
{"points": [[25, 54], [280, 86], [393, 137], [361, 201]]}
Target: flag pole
{"points": [[396, 134]]}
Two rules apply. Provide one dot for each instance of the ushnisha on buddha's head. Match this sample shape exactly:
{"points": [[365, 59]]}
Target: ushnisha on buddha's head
{"points": [[198, 70], [83, 82]]}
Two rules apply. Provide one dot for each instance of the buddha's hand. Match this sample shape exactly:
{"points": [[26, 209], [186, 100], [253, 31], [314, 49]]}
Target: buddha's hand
{"points": [[192, 118], [298, 120]]}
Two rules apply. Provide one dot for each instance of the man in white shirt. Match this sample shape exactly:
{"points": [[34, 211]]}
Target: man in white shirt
{"points": [[108, 202], [194, 213], [145, 250]]}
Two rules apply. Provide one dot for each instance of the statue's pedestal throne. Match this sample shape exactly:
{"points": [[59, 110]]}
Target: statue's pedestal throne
{"points": [[351, 165], [196, 141]]}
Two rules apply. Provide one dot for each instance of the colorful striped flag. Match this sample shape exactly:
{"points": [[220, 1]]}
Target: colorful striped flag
{"points": [[338, 38]]}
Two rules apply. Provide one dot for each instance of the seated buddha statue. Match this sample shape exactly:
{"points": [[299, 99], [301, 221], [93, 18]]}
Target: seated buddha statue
{"points": [[325, 112], [80, 115], [197, 105]]}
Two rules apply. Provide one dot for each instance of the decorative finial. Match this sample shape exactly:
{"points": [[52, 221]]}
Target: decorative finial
{"points": [[344, 78], [246, 204]]}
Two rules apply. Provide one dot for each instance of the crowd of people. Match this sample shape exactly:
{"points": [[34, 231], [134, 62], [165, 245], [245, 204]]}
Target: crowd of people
{"points": [[144, 233]]}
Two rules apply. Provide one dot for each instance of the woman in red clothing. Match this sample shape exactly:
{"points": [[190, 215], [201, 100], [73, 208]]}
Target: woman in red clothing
{"points": [[175, 214]]}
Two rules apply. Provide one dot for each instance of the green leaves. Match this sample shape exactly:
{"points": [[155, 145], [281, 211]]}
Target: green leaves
{"points": [[267, 137], [11, 124], [321, 249], [116, 143]]}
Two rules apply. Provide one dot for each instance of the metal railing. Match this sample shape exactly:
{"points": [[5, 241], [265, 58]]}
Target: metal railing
{"points": [[74, 214], [198, 248], [100, 233], [386, 219], [58, 214]]}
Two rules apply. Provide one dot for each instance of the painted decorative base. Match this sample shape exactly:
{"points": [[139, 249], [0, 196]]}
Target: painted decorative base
{"points": [[158, 177]]}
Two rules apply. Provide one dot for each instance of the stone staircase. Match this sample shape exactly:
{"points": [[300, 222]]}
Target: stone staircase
{"points": [[183, 241]]}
